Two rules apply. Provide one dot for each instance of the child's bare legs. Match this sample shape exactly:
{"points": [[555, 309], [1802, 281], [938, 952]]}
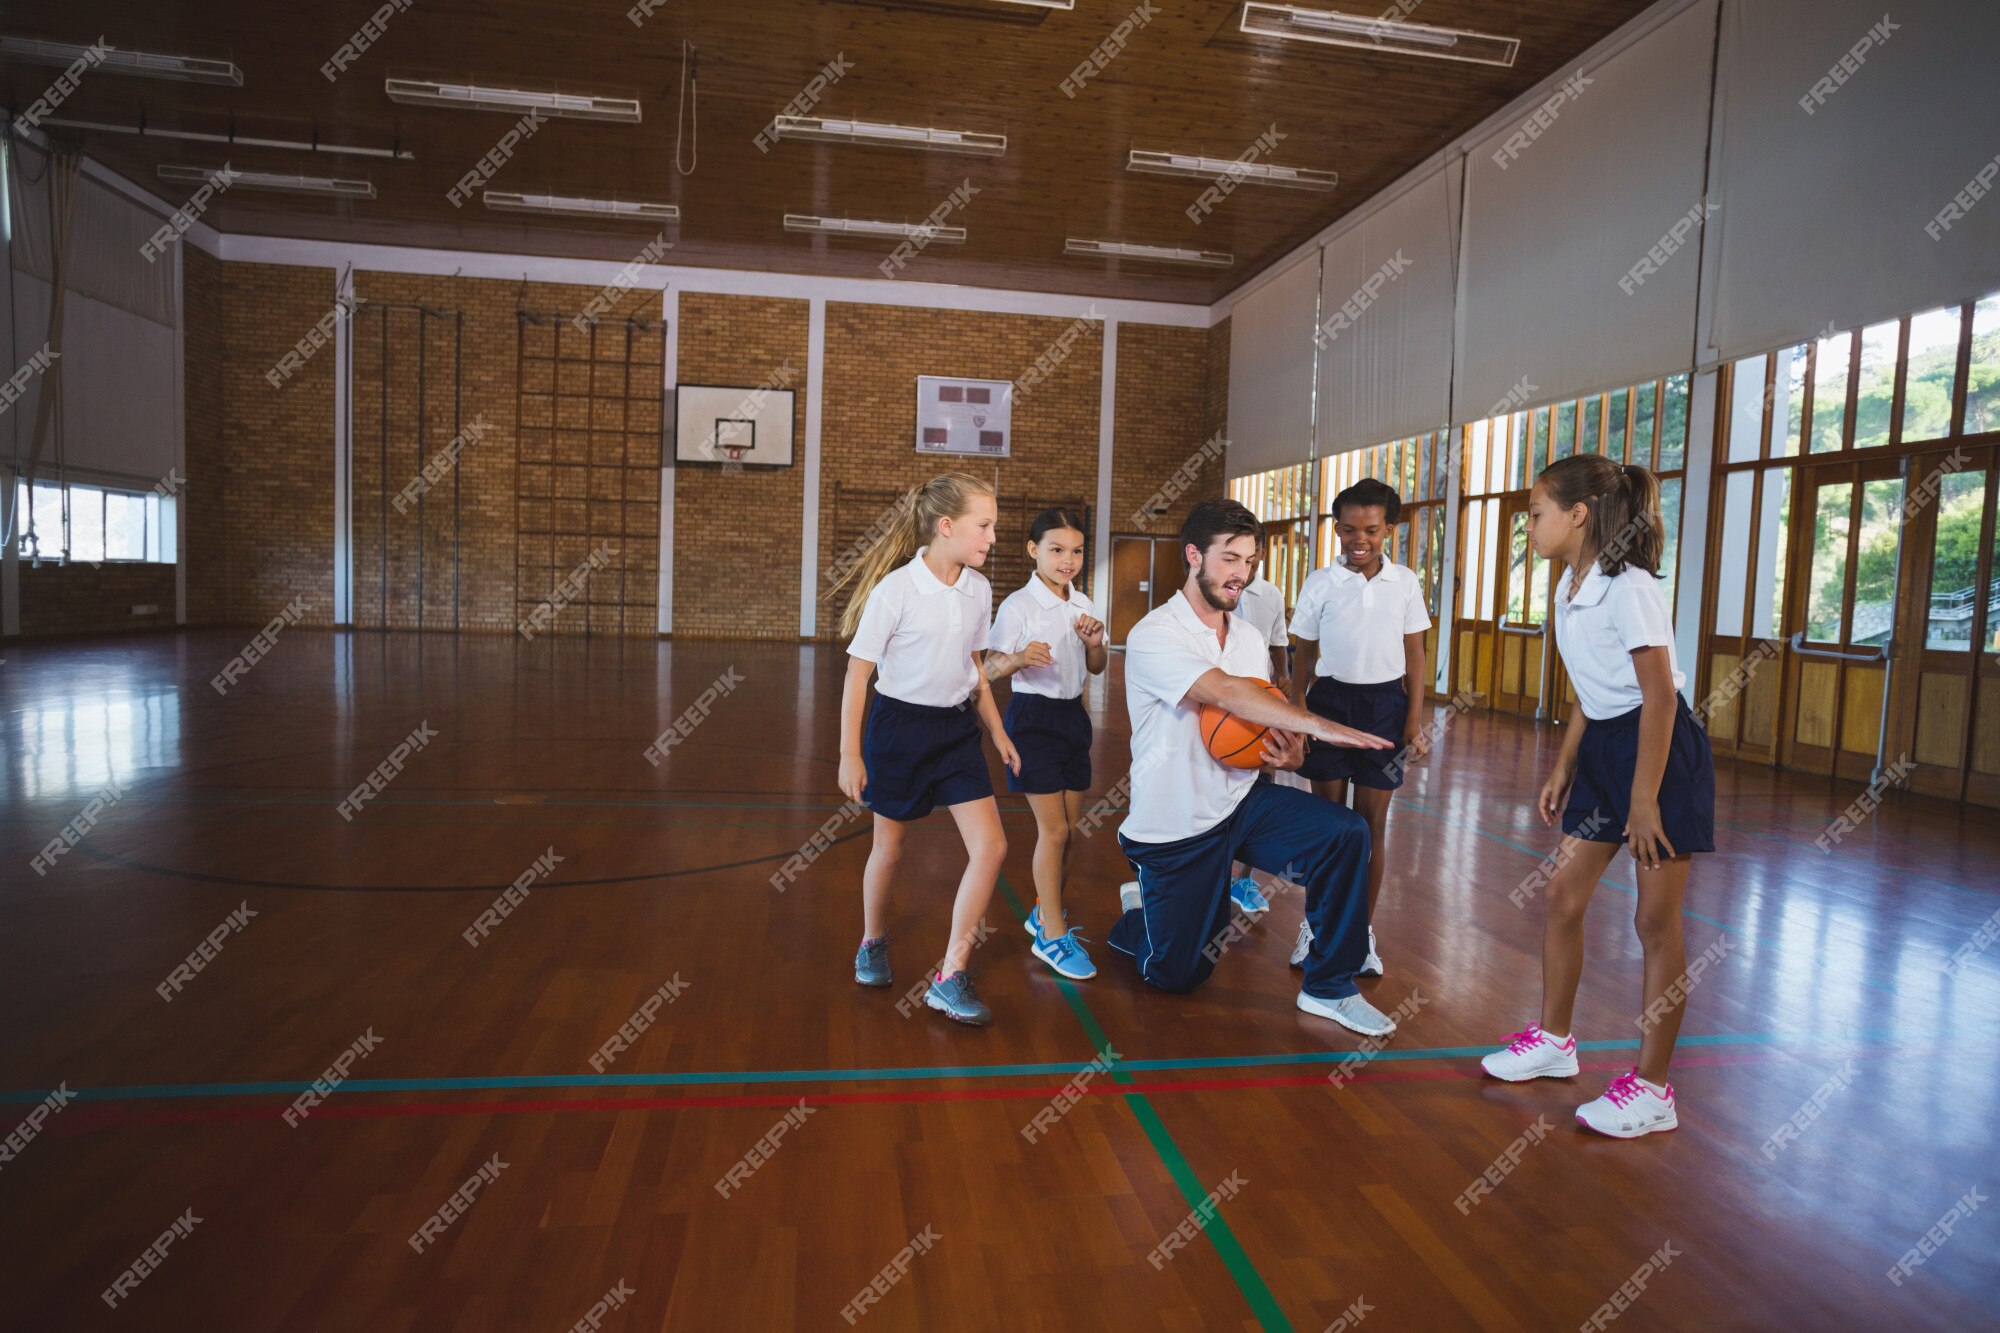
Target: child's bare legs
{"points": [[885, 852], [1372, 804], [1658, 921], [1052, 849], [1580, 865], [985, 849]]}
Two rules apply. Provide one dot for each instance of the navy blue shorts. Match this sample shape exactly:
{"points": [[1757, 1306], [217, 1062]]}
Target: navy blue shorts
{"points": [[919, 758], [1053, 737], [1600, 801], [1380, 710]]}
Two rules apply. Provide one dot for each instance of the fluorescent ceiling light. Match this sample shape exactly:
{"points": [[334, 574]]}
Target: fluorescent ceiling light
{"points": [[1043, 4], [269, 180], [1250, 173], [1164, 254], [902, 231], [894, 136], [1375, 34], [144, 64], [514, 101], [235, 140], [611, 210]]}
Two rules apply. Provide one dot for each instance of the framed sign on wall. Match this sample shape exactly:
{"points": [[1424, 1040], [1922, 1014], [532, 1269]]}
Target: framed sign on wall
{"points": [[956, 416], [734, 427]]}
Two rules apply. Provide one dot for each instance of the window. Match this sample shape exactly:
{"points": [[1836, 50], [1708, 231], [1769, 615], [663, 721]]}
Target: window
{"points": [[1918, 355], [1417, 468], [1955, 561], [1644, 424], [96, 526]]}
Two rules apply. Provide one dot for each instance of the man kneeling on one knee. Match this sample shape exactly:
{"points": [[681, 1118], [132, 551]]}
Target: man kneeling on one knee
{"points": [[1191, 816]]}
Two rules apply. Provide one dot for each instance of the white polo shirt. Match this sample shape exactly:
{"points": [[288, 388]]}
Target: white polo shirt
{"points": [[921, 634], [1034, 614], [1360, 622], [1178, 788], [1597, 631], [1263, 605]]}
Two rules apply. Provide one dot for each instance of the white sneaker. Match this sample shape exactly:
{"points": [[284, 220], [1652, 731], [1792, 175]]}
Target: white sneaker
{"points": [[1371, 966], [1303, 945], [1532, 1054], [1352, 1012], [1128, 895], [1630, 1107]]}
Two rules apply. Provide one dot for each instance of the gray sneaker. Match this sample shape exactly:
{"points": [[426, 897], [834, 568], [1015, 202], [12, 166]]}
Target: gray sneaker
{"points": [[953, 997], [1351, 1012], [871, 964]]}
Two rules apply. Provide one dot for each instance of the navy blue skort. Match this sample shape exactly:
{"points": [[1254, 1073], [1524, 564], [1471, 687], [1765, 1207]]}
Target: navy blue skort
{"points": [[1600, 800], [1053, 737], [1380, 710], [919, 758]]}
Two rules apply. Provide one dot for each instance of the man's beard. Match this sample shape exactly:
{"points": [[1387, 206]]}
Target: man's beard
{"points": [[1211, 591]]}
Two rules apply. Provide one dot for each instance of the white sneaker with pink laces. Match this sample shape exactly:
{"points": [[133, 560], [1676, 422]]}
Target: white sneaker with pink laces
{"points": [[1630, 1107], [1532, 1054]]}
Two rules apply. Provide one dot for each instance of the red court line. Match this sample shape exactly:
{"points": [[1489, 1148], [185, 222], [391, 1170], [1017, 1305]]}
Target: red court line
{"points": [[91, 1117]]}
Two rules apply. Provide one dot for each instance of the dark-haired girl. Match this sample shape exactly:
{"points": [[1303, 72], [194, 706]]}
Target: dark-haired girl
{"points": [[1047, 636], [1634, 769]]}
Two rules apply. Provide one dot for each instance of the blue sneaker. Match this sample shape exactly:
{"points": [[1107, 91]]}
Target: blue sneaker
{"points": [[1065, 953], [953, 997], [1033, 925], [1248, 898], [871, 964]]}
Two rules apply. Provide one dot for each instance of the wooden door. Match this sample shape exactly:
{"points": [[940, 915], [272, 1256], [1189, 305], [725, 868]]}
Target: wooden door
{"points": [[1841, 615], [1522, 645], [1945, 699], [1131, 583]]}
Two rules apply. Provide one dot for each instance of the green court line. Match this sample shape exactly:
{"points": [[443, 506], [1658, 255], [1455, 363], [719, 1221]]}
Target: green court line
{"points": [[1262, 1303]]}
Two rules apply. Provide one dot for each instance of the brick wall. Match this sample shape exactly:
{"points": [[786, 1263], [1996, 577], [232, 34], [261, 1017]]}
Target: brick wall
{"points": [[80, 599], [868, 420], [1218, 381], [471, 548], [737, 534], [260, 482], [276, 482], [1160, 426], [204, 498]]}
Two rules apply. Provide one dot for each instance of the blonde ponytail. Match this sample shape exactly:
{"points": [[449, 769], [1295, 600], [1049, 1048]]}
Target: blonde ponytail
{"points": [[913, 524]]}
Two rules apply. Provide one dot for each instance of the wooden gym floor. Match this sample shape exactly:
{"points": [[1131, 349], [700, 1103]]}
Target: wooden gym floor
{"points": [[1830, 1004]]}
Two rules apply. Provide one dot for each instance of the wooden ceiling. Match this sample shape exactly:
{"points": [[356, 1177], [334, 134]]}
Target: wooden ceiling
{"points": [[1186, 81]]}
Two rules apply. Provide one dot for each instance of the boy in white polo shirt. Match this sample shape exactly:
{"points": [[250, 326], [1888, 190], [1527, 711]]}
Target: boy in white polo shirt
{"points": [[1191, 816], [1263, 605], [1360, 623]]}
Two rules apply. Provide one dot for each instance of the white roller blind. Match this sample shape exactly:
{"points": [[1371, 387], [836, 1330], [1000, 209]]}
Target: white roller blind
{"points": [[1387, 288], [1271, 371], [118, 372], [1556, 223], [1830, 208]]}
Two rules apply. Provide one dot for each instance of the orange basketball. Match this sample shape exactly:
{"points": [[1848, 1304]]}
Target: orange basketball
{"points": [[1230, 739]]}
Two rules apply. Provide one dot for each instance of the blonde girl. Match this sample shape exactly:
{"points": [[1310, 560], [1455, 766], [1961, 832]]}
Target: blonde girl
{"points": [[917, 621]]}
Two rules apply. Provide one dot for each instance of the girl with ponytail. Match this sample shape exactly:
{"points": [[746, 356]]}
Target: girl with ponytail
{"points": [[917, 615], [1634, 769]]}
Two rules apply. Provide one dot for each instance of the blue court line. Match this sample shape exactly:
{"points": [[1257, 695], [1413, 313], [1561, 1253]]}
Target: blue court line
{"points": [[707, 1078]]}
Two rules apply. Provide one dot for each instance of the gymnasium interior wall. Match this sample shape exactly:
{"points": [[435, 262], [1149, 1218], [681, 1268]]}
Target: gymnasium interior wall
{"points": [[258, 494]]}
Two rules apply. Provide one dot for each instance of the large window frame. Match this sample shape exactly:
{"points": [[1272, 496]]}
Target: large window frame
{"points": [[140, 523], [1842, 415]]}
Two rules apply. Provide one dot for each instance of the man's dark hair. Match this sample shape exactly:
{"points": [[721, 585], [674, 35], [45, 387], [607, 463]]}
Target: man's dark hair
{"points": [[1366, 494], [1210, 519]]}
